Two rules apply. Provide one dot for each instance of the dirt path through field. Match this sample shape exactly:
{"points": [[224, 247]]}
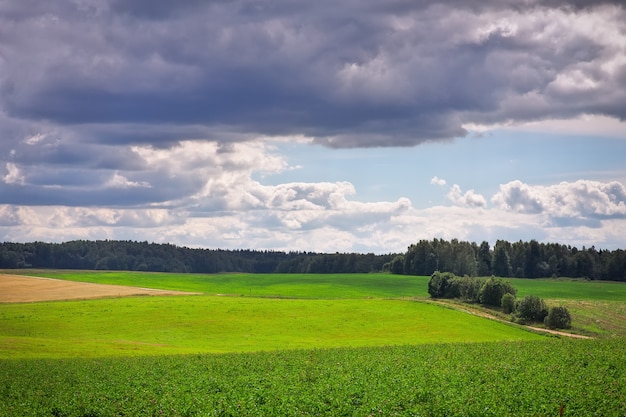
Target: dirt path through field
{"points": [[18, 289], [492, 317]]}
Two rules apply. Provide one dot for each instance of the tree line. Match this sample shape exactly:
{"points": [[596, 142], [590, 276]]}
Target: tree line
{"points": [[144, 256], [518, 259]]}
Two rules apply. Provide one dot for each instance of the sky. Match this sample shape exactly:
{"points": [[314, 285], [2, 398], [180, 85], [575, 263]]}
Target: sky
{"points": [[327, 126]]}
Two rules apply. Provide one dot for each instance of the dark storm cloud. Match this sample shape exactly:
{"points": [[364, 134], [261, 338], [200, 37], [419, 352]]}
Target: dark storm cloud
{"points": [[354, 74], [159, 9], [86, 189]]}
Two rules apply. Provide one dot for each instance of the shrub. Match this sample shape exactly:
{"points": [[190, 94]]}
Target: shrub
{"points": [[444, 285], [470, 289], [453, 290], [437, 285], [532, 308], [492, 290], [508, 303], [558, 318]]}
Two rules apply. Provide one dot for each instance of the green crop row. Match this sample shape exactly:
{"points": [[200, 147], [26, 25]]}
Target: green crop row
{"points": [[532, 378]]}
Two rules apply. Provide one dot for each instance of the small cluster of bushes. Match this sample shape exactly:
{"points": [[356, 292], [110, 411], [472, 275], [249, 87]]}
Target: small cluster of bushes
{"points": [[496, 292], [533, 309], [487, 291], [558, 318]]}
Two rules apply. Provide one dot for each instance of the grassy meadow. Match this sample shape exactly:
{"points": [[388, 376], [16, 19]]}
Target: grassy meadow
{"points": [[570, 289], [211, 324], [598, 307], [257, 285], [378, 285], [269, 344]]}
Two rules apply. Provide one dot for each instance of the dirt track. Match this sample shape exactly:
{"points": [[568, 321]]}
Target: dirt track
{"points": [[492, 317], [18, 289]]}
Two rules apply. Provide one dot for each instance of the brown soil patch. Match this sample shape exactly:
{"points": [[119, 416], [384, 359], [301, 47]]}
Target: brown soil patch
{"points": [[19, 289]]}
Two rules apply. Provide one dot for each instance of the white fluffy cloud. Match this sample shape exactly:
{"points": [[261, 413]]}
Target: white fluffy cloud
{"points": [[438, 181], [213, 195], [209, 197], [120, 181], [325, 217], [469, 199], [582, 199], [13, 175]]}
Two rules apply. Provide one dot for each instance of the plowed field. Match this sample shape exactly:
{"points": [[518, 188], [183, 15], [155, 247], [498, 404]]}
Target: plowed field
{"points": [[18, 289]]}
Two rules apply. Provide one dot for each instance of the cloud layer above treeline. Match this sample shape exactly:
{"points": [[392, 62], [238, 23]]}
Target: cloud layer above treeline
{"points": [[346, 74], [154, 119]]}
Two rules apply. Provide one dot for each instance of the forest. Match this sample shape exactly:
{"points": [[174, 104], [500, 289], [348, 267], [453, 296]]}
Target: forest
{"points": [[518, 259], [154, 257]]}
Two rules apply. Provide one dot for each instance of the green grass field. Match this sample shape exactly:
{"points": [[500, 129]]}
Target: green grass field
{"points": [[210, 324], [257, 285], [571, 289], [285, 345], [256, 315], [329, 285]]}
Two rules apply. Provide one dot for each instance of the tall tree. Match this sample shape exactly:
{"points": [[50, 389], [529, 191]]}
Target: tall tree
{"points": [[501, 261], [483, 260]]}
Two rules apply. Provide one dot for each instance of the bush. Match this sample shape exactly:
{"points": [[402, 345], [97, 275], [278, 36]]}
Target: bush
{"points": [[453, 289], [493, 289], [436, 285], [508, 303], [470, 289], [532, 308], [558, 318], [444, 285]]}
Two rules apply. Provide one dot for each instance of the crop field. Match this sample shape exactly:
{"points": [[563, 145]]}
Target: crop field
{"points": [[354, 344], [499, 379]]}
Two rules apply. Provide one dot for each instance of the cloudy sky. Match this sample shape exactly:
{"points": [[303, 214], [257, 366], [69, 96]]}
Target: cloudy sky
{"points": [[342, 125]]}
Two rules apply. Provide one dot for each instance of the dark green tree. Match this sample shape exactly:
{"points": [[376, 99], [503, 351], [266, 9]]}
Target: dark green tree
{"points": [[443, 285], [531, 308], [493, 289], [470, 289], [558, 318], [397, 265], [616, 266], [421, 259], [508, 303], [501, 263], [533, 260], [483, 260]]}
